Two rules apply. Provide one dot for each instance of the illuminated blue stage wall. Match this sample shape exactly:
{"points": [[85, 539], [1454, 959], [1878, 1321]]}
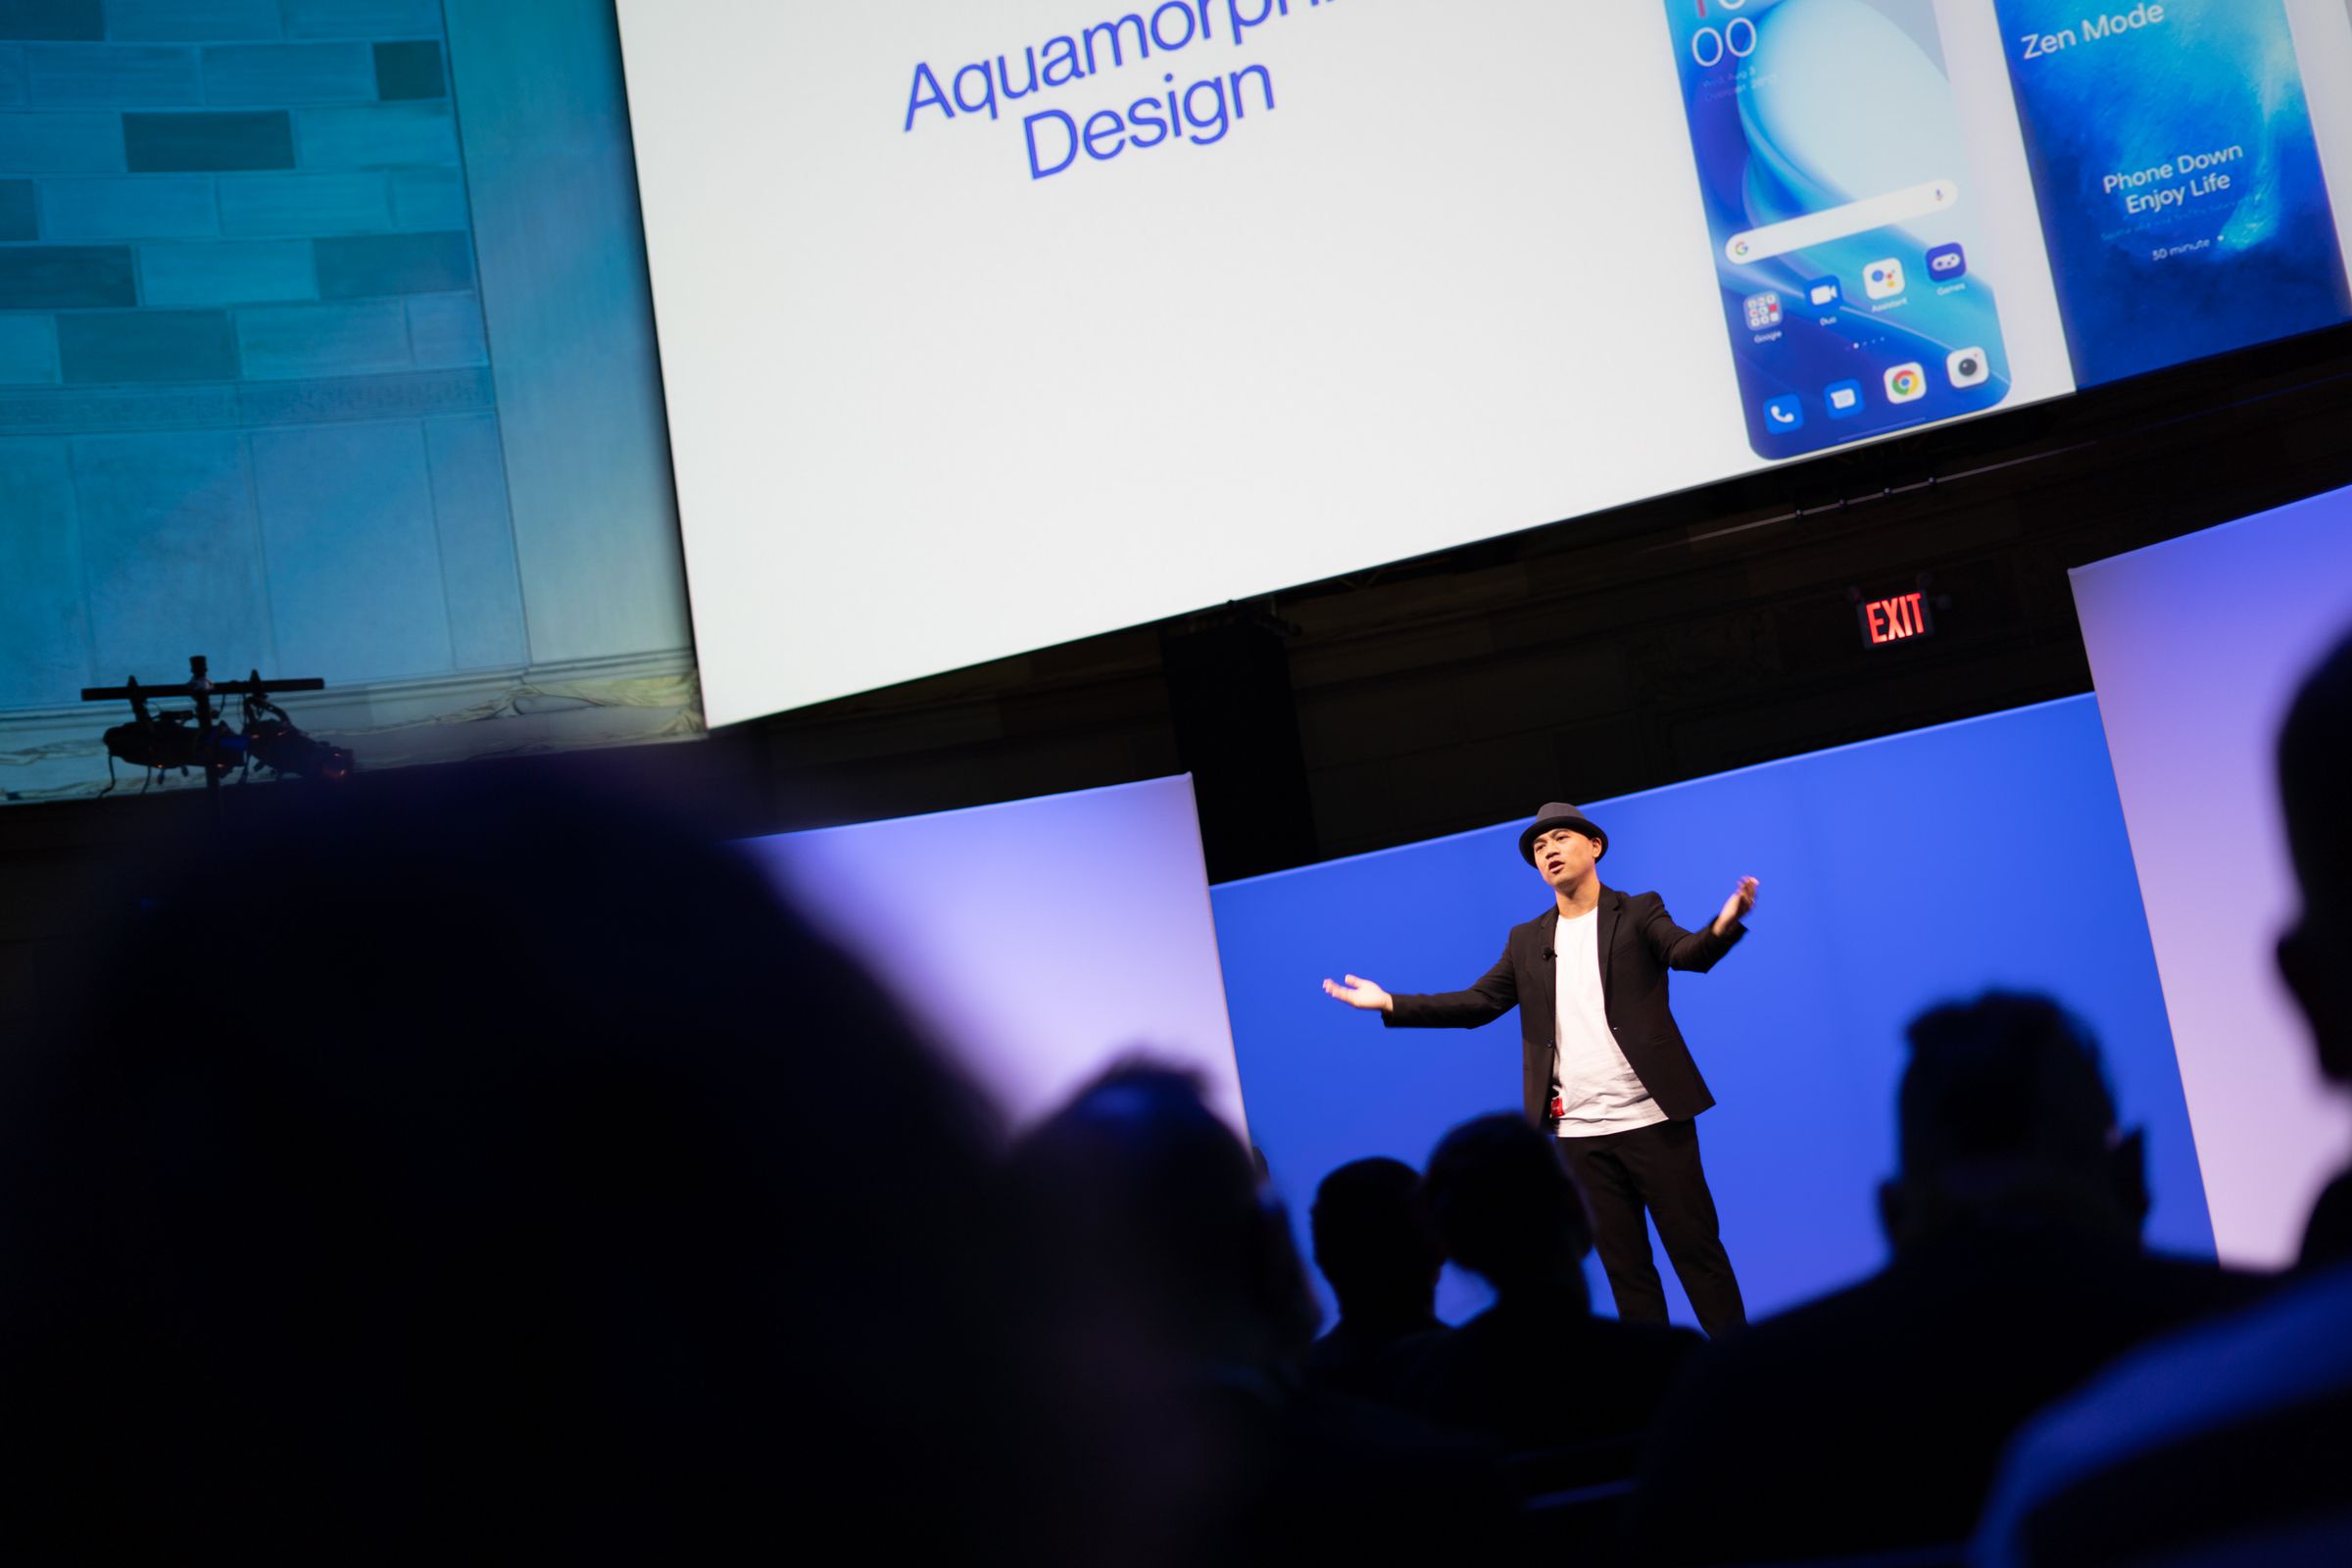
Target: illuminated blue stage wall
{"points": [[325, 345], [1010, 964], [2266, 595], [1895, 873]]}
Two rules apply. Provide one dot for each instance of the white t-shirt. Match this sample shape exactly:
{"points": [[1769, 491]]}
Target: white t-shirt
{"points": [[1590, 1075]]}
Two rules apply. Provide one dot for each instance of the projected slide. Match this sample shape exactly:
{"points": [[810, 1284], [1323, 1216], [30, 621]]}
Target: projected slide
{"points": [[985, 327], [2179, 176], [1037, 940]]}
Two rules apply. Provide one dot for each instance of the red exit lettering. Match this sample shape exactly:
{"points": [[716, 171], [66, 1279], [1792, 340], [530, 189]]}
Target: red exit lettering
{"points": [[1891, 620]]}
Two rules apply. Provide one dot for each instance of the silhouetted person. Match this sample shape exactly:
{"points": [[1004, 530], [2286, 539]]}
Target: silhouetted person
{"points": [[2315, 956], [2234, 1442], [1175, 1282], [2328, 1232], [1536, 1369], [469, 1169], [1376, 1247], [1871, 1419]]}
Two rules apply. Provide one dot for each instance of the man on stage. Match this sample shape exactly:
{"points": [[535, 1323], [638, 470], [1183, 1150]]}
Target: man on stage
{"points": [[1602, 1062]]}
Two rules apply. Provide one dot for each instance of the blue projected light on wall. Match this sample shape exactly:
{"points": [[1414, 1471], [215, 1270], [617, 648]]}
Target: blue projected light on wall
{"points": [[250, 278], [1895, 873], [2179, 181]]}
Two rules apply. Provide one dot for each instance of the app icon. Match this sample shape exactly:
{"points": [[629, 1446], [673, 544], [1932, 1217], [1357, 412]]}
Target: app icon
{"points": [[1883, 281], [1907, 383], [1763, 311], [1785, 415], [1967, 366], [1844, 399], [1824, 292], [1947, 262]]}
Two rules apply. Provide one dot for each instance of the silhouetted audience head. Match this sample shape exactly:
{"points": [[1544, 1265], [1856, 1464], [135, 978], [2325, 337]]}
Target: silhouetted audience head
{"points": [[1506, 1208], [1171, 1288], [1150, 1204], [2315, 955], [2003, 1109], [1374, 1241], [2315, 776], [474, 1166]]}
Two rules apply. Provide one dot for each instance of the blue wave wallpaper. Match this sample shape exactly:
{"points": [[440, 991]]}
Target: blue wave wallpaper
{"points": [[2181, 188], [1801, 106]]}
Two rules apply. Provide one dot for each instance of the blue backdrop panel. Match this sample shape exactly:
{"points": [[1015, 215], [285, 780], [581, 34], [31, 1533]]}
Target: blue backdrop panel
{"points": [[2209, 635], [1895, 873], [1073, 932]]}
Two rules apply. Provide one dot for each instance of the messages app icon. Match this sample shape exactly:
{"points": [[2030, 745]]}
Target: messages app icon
{"points": [[1844, 399]]}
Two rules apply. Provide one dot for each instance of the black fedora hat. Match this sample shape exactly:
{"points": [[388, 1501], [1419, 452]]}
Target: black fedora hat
{"points": [[1558, 813]]}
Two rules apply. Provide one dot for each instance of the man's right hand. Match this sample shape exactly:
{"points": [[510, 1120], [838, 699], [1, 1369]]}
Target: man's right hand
{"points": [[1359, 993]]}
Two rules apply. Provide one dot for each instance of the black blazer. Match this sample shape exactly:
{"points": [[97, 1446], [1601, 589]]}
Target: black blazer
{"points": [[1638, 944]]}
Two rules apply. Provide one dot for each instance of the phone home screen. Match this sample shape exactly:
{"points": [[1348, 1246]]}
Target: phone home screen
{"points": [[1838, 194]]}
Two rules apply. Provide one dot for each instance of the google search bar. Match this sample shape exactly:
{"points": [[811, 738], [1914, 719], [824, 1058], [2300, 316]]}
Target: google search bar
{"points": [[1840, 223]]}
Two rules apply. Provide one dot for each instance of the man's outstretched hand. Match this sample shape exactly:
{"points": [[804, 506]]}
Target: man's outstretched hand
{"points": [[1735, 907], [1360, 994]]}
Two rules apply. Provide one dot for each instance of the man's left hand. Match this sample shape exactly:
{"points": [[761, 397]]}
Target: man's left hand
{"points": [[1742, 900]]}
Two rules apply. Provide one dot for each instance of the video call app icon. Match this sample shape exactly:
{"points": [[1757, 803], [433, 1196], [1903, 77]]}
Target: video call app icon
{"points": [[1947, 262], [1824, 292], [1785, 415], [1907, 383], [1763, 311], [1883, 281], [1844, 399]]}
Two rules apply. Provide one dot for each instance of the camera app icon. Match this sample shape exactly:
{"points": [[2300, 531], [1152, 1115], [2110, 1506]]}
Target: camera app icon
{"points": [[1967, 366]]}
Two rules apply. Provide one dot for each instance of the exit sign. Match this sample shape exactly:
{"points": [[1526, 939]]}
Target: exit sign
{"points": [[1895, 620]]}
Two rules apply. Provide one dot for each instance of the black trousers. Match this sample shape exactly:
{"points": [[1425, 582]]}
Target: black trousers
{"points": [[1654, 1170]]}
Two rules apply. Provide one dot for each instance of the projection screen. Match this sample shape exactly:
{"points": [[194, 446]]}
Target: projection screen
{"points": [[988, 327]]}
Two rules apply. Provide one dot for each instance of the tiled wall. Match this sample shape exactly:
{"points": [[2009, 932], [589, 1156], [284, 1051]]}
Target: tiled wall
{"points": [[245, 399]]}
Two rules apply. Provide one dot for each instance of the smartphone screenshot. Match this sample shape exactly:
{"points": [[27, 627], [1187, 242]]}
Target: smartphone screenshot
{"points": [[1839, 199], [2182, 197]]}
